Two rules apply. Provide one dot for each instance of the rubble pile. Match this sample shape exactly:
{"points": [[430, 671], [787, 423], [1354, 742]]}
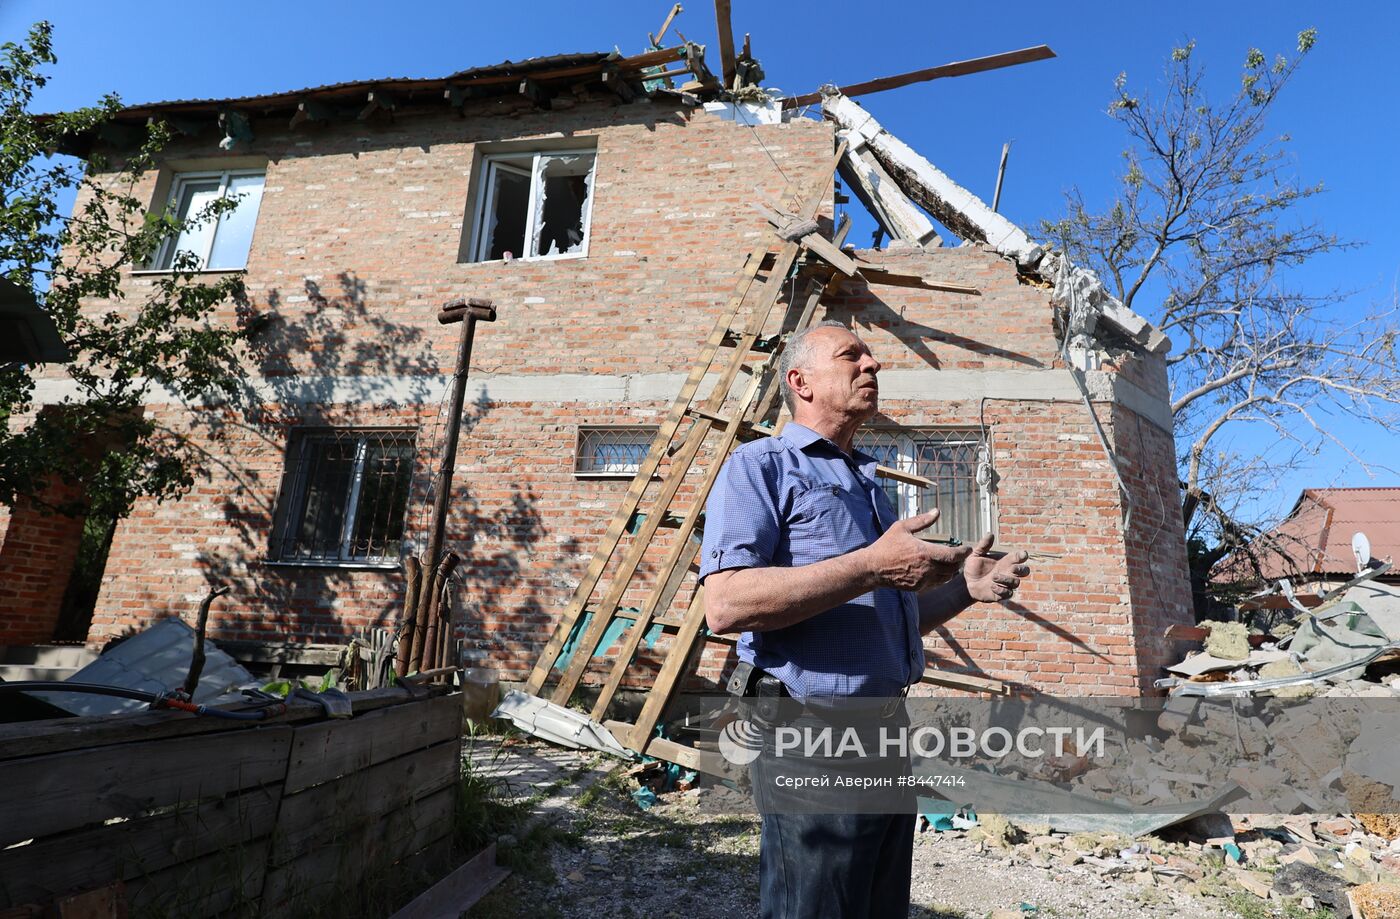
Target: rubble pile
{"points": [[1301, 861]]}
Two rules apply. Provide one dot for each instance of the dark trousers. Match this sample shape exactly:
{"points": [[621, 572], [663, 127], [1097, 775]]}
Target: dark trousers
{"points": [[835, 866], [854, 859]]}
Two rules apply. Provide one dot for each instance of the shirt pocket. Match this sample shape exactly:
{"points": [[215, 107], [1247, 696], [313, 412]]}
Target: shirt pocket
{"points": [[827, 521]]}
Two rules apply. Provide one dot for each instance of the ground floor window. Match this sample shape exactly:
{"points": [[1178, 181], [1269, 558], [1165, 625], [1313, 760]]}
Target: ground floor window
{"points": [[957, 461], [344, 496], [612, 450]]}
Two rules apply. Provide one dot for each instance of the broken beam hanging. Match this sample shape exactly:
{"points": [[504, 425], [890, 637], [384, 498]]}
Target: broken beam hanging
{"points": [[891, 208], [955, 69], [726, 42]]}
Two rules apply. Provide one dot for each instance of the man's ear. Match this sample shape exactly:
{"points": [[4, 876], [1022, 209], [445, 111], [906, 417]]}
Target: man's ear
{"points": [[797, 382]]}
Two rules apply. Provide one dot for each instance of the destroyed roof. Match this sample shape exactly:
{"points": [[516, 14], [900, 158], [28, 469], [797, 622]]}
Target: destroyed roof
{"points": [[1315, 538], [505, 68], [1077, 290]]}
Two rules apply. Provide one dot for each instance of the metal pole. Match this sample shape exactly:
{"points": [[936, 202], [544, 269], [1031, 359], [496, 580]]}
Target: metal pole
{"points": [[468, 316], [1001, 174]]}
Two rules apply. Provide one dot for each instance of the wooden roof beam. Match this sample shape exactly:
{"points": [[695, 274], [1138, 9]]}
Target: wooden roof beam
{"points": [[377, 100], [955, 69], [725, 28]]}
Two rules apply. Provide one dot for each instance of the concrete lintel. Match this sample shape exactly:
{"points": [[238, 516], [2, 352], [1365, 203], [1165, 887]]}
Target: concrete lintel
{"points": [[926, 385]]}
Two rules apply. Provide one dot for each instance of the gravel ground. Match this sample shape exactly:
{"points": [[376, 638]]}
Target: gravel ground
{"points": [[583, 848]]}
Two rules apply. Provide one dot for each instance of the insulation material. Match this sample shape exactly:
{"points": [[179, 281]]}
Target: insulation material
{"points": [[1227, 640], [749, 113]]}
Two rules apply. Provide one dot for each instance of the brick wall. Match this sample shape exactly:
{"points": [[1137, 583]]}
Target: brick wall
{"points": [[37, 551], [356, 246]]}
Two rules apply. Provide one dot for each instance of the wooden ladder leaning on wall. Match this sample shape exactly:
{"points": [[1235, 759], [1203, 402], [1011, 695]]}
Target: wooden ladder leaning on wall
{"points": [[759, 357]]}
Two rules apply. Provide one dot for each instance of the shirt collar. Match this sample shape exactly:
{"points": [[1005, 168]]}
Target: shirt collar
{"points": [[802, 437]]}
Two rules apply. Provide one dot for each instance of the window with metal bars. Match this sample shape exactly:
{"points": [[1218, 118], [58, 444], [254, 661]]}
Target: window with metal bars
{"points": [[612, 451], [344, 497], [958, 462]]}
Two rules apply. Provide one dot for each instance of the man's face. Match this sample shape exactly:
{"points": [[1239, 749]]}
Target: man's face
{"points": [[840, 375]]}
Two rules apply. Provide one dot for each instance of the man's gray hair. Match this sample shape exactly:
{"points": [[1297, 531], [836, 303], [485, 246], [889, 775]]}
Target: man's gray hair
{"points": [[796, 354]]}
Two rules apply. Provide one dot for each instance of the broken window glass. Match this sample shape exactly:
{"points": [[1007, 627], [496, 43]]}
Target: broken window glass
{"points": [[534, 205]]}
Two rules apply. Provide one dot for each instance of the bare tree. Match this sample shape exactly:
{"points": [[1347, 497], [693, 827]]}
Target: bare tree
{"points": [[1205, 237]]}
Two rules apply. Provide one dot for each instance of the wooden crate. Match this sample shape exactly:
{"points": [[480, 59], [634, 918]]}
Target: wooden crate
{"points": [[201, 816]]}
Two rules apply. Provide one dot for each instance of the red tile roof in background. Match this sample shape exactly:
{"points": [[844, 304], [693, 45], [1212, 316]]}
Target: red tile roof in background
{"points": [[1316, 536]]}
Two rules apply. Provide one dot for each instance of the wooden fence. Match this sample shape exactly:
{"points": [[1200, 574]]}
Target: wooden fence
{"points": [[188, 816]]}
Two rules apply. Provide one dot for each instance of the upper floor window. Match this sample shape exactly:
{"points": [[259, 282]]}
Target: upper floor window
{"points": [[959, 464], [344, 496], [612, 451], [218, 244], [532, 205]]}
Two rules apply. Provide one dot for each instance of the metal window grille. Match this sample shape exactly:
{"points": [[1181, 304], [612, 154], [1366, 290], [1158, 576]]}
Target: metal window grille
{"points": [[612, 450], [952, 459], [344, 496]]}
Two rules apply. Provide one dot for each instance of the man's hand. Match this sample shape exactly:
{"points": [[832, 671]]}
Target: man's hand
{"points": [[991, 580], [901, 560]]}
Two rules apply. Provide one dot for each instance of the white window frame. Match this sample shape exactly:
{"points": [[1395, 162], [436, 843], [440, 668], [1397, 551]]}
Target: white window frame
{"points": [[904, 442], [486, 195], [295, 495], [646, 434], [166, 252]]}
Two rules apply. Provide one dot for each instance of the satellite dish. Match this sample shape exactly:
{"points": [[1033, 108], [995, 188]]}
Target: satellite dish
{"points": [[1361, 548]]}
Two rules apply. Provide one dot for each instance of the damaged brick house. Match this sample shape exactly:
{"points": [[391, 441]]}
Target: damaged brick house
{"points": [[605, 213]]}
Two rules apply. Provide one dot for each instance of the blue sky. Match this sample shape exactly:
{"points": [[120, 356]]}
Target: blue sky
{"points": [[1337, 112]]}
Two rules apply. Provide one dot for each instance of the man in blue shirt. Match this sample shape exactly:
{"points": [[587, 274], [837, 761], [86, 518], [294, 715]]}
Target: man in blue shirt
{"points": [[804, 555]]}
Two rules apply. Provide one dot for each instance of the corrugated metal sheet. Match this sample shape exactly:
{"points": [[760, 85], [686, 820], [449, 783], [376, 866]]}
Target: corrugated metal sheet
{"points": [[155, 660]]}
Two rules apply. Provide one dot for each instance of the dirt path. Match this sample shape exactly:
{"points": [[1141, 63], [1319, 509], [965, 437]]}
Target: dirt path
{"points": [[582, 847]]}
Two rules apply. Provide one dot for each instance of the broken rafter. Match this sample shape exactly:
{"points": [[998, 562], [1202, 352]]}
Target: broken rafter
{"points": [[661, 33], [726, 42], [955, 69]]}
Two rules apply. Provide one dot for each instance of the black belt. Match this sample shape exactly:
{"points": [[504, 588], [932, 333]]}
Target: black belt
{"points": [[750, 682]]}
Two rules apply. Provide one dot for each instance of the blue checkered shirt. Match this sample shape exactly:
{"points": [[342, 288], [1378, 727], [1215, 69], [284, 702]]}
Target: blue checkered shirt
{"points": [[793, 500]]}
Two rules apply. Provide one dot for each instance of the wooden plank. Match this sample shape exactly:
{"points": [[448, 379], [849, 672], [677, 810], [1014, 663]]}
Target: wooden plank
{"points": [[873, 274], [67, 791], [725, 30], [613, 535], [955, 69], [677, 565], [908, 478], [47, 868], [321, 752], [41, 737], [460, 890], [276, 652], [226, 882], [295, 888], [319, 815], [963, 681], [668, 677]]}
